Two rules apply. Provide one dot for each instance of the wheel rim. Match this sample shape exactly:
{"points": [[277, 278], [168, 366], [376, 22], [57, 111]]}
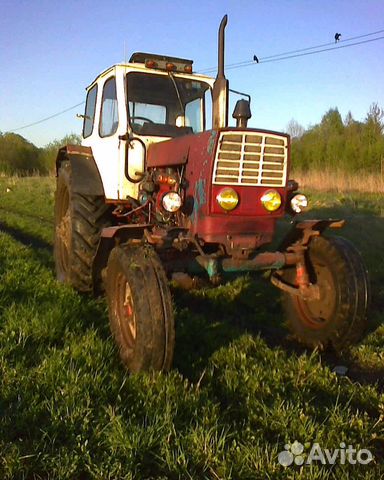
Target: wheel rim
{"points": [[317, 313], [125, 312], [64, 232]]}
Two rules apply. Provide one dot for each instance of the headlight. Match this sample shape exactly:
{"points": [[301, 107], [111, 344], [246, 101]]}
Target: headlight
{"points": [[171, 201], [271, 200], [299, 202], [227, 199]]}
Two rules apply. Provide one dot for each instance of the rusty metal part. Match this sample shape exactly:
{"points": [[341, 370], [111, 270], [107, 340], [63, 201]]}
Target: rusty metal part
{"points": [[132, 229], [119, 213], [124, 310], [320, 225], [309, 292], [185, 281], [166, 238], [302, 232], [263, 261]]}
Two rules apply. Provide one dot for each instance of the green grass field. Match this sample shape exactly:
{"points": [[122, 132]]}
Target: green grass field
{"points": [[239, 391]]}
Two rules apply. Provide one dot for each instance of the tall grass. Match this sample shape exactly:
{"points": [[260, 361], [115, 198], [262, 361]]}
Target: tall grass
{"points": [[334, 180]]}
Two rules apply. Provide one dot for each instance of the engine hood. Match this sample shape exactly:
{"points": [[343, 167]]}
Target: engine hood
{"points": [[177, 151]]}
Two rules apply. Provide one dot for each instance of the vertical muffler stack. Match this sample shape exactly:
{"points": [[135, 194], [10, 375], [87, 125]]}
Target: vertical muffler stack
{"points": [[221, 85]]}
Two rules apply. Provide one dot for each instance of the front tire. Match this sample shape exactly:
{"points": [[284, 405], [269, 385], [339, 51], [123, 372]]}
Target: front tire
{"points": [[140, 309], [339, 316]]}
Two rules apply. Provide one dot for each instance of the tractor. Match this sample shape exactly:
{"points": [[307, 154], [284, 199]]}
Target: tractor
{"points": [[162, 188]]}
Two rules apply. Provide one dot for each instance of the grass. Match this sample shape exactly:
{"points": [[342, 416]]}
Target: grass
{"points": [[340, 181], [239, 390]]}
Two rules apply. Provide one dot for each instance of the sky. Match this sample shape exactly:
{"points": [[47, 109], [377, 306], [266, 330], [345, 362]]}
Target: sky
{"points": [[51, 50]]}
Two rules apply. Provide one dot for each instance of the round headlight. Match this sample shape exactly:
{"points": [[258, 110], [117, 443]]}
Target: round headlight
{"points": [[227, 199], [271, 200], [299, 202], [171, 201]]}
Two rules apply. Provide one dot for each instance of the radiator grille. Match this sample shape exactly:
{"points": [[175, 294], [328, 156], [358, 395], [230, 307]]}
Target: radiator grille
{"points": [[251, 158]]}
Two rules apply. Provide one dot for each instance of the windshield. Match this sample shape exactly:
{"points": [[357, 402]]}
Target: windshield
{"points": [[157, 107]]}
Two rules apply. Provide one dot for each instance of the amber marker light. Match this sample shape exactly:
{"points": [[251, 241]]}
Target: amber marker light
{"points": [[170, 67], [227, 199], [151, 64], [188, 68]]}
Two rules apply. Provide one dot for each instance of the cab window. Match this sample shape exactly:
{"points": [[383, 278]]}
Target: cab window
{"points": [[90, 108], [165, 105], [109, 119]]}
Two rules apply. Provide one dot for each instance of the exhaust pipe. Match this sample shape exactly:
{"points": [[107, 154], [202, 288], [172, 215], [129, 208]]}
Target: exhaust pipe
{"points": [[221, 85]]}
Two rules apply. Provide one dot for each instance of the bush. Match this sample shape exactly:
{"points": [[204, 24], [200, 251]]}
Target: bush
{"points": [[18, 156]]}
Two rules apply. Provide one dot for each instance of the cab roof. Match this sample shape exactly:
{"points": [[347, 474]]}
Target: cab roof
{"points": [[141, 66]]}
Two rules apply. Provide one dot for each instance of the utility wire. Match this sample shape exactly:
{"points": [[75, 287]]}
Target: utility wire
{"points": [[265, 59], [323, 50], [47, 118], [271, 58]]}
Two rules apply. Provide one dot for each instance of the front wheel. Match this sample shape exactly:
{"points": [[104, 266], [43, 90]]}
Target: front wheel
{"points": [[140, 308], [339, 316]]}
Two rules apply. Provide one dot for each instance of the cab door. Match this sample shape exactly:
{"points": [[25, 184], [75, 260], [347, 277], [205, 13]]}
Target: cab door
{"points": [[107, 139]]}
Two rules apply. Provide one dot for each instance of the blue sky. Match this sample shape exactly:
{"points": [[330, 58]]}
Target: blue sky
{"points": [[51, 50]]}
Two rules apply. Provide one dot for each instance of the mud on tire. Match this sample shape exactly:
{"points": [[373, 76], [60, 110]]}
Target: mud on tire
{"points": [[79, 220], [338, 318], [140, 308]]}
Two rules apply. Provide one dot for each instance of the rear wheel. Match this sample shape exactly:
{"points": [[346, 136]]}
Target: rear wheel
{"points": [[338, 317], [79, 220], [140, 308]]}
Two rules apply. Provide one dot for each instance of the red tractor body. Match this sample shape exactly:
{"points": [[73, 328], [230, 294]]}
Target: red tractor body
{"points": [[249, 225]]}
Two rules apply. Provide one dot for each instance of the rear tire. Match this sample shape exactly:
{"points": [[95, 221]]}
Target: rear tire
{"points": [[339, 317], [140, 308], [79, 220]]}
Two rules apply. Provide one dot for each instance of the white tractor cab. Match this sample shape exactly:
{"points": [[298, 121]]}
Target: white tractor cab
{"points": [[129, 106]]}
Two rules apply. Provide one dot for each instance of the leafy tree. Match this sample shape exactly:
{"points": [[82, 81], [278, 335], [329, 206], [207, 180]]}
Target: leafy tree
{"points": [[49, 152], [17, 155], [350, 146]]}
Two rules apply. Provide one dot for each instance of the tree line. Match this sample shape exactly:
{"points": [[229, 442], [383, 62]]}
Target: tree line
{"points": [[347, 145], [18, 156]]}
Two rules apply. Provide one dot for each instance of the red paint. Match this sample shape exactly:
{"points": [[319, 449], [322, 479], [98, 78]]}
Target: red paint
{"points": [[248, 226], [249, 201], [170, 152]]}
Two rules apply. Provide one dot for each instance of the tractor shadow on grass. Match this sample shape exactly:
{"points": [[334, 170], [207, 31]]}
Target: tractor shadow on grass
{"points": [[42, 250], [210, 319]]}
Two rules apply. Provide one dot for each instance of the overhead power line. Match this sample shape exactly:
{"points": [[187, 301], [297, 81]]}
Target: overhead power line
{"points": [[268, 60], [290, 54], [47, 118], [323, 50], [271, 58]]}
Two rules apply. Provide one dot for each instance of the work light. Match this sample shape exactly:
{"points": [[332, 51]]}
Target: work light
{"points": [[171, 201]]}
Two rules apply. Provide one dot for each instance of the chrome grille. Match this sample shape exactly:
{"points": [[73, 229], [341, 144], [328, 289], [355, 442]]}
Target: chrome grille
{"points": [[251, 158]]}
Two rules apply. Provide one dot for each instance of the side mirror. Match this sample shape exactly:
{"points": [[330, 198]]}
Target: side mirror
{"points": [[242, 113]]}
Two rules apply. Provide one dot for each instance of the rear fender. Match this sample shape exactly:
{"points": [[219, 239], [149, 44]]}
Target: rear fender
{"points": [[85, 178]]}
